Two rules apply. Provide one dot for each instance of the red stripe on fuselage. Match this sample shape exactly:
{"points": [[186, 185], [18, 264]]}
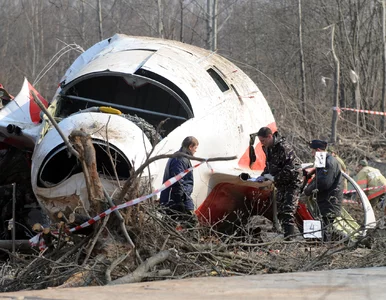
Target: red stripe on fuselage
{"points": [[34, 109]]}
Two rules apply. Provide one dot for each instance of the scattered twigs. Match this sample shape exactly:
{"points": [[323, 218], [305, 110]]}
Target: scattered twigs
{"points": [[77, 247], [113, 163], [142, 271], [113, 265], [95, 240], [200, 251], [123, 227], [186, 243], [325, 255], [166, 240]]}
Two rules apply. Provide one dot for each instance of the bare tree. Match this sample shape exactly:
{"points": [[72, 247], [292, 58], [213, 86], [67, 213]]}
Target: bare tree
{"points": [[260, 39], [336, 87], [383, 63], [100, 23], [181, 20], [214, 25], [209, 24], [160, 20], [302, 70]]}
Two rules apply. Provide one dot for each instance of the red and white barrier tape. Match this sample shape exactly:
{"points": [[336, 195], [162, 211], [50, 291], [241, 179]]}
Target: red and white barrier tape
{"points": [[366, 189], [36, 239], [372, 112], [350, 201], [164, 186]]}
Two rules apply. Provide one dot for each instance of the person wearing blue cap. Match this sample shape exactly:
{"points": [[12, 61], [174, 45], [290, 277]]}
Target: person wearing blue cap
{"points": [[326, 186]]}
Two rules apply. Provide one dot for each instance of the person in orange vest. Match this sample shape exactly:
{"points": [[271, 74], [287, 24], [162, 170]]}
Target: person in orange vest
{"points": [[369, 177]]}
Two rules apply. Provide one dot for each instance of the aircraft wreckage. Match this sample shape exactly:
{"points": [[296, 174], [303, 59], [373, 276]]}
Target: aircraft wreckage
{"points": [[118, 92]]}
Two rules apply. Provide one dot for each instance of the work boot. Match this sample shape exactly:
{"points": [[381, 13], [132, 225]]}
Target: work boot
{"points": [[289, 231]]}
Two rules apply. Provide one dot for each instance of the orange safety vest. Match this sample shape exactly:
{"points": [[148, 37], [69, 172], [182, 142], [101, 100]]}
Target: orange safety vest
{"points": [[371, 177]]}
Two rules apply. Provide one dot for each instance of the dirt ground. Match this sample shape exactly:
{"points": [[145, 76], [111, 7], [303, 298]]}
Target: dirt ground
{"points": [[366, 283]]}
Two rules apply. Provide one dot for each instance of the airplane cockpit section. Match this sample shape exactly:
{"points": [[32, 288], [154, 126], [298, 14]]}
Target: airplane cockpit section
{"points": [[150, 80]]}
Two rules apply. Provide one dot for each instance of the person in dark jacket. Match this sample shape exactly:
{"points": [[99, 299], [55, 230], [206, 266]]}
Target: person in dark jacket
{"points": [[282, 167], [177, 198], [326, 185]]}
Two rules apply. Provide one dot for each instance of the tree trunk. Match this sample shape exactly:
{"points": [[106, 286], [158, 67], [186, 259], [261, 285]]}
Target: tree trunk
{"points": [[383, 64], [209, 29], [214, 25], [302, 70], [82, 23], [100, 20], [211, 22], [181, 20], [357, 103], [160, 21], [336, 88]]}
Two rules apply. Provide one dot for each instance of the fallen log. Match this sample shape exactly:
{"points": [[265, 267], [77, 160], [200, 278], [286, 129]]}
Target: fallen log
{"points": [[142, 271], [19, 244], [62, 216], [77, 219]]}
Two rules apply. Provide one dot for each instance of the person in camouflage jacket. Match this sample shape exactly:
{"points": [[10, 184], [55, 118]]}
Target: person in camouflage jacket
{"points": [[283, 167]]}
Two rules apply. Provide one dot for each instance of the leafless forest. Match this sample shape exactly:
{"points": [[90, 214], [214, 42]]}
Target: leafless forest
{"points": [[307, 57]]}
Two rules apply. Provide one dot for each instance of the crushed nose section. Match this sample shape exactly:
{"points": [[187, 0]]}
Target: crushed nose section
{"points": [[58, 166]]}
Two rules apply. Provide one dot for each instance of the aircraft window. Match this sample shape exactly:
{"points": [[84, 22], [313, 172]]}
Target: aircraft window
{"points": [[218, 80], [153, 98]]}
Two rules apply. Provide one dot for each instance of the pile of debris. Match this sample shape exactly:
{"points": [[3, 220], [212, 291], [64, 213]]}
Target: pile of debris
{"points": [[140, 243], [165, 251]]}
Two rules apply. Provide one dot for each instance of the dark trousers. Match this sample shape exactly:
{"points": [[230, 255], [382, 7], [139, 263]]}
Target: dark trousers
{"points": [[287, 203], [329, 210]]}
